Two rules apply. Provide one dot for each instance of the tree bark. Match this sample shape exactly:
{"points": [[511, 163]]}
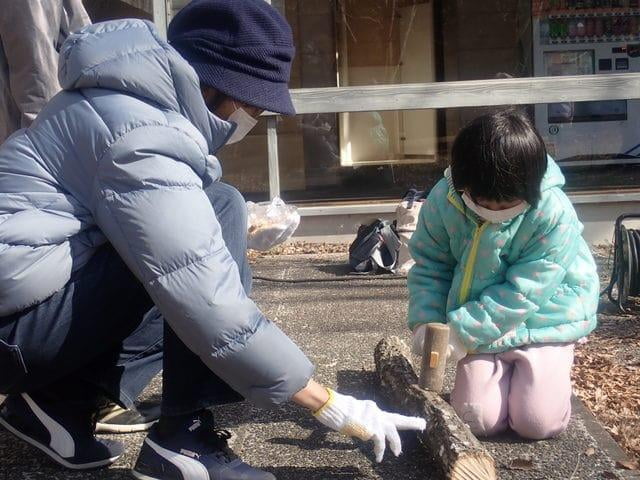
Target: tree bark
{"points": [[458, 452]]}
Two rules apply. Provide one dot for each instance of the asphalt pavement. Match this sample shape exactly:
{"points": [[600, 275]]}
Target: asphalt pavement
{"points": [[338, 323]]}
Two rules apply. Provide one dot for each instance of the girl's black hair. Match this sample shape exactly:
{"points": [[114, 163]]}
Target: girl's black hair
{"points": [[499, 156]]}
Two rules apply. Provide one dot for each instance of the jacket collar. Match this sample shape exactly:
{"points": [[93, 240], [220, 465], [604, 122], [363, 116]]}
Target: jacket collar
{"points": [[455, 199]]}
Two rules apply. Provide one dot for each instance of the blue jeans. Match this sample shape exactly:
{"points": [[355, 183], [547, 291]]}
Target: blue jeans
{"points": [[101, 335]]}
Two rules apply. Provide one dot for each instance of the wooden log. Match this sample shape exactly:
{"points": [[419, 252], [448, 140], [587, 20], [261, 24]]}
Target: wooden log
{"points": [[434, 357], [458, 452]]}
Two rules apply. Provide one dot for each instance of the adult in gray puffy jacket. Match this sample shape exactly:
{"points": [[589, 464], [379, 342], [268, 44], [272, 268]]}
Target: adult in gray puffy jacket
{"points": [[113, 221]]}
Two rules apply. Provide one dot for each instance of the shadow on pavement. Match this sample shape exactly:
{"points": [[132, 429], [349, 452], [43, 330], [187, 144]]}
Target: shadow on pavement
{"points": [[316, 440], [328, 473], [336, 270]]}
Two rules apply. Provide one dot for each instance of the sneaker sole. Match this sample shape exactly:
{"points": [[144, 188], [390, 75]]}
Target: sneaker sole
{"points": [[109, 428], [53, 455]]}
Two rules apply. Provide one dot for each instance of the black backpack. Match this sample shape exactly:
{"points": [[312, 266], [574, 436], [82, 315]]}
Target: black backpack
{"points": [[375, 248]]}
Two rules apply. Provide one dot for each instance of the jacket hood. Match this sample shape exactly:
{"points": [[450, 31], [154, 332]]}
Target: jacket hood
{"points": [[553, 178], [129, 56]]}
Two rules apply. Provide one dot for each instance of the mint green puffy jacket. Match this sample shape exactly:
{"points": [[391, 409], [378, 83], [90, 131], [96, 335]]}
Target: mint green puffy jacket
{"points": [[500, 286]]}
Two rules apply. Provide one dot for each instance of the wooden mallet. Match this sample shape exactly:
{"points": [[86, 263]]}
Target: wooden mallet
{"points": [[434, 357]]}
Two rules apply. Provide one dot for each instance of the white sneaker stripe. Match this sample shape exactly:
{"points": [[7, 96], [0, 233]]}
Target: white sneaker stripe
{"points": [[61, 440], [113, 413], [191, 469]]}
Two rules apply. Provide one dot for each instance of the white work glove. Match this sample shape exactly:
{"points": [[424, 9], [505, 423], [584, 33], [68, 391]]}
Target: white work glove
{"points": [[456, 350], [364, 420]]}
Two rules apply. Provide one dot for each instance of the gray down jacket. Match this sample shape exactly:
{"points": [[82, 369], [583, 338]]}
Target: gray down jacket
{"points": [[121, 155]]}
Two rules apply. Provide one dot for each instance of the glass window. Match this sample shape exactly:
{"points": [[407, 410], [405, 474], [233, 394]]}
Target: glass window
{"points": [[377, 155], [312, 167], [371, 164], [368, 42], [371, 42], [245, 164], [103, 10], [362, 42], [176, 5], [596, 148]]}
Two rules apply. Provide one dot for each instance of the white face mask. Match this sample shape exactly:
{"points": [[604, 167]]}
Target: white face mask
{"points": [[244, 123], [494, 216]]}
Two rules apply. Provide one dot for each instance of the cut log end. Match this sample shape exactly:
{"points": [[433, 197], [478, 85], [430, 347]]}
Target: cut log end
{"points": [[473, 467]]}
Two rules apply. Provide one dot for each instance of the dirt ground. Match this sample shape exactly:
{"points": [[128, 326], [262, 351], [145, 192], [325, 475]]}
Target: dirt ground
{"points": [[607, 367], [301, 248]]}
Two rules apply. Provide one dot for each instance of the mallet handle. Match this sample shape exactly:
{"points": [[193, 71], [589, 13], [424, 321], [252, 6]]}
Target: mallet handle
{"points": [[434, 357]]}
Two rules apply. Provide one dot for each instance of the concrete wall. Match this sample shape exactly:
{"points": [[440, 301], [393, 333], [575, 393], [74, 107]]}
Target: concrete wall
{"points": [[598, 219], [332, 228]]}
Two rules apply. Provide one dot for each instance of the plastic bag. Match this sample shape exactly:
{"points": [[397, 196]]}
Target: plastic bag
{"points": [[271, 223], [407, 214]]}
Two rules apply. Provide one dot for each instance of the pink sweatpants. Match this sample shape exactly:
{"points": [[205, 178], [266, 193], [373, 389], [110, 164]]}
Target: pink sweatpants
{"points": [[527, 389]]}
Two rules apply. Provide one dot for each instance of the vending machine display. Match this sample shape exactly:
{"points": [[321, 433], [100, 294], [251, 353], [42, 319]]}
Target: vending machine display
{"points": [[573, 37]]}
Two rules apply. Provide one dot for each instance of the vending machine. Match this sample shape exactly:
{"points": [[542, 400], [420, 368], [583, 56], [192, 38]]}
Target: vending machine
{"points": [[584, 37]]}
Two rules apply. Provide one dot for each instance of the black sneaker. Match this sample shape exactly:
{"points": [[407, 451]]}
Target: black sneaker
{"points": [[192, 451], [112, 418], [64, 435]]}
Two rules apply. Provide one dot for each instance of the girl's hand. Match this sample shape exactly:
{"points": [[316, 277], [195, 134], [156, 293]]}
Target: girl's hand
{"points": [[456, 350], [417, 345]]}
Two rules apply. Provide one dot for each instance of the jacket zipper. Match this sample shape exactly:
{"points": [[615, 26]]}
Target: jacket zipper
{"points": [[467, 277], [469, 267]]}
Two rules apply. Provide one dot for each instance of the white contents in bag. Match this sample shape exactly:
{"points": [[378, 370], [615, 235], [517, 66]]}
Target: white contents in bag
{"points": [[407, 214], [271, 223]]}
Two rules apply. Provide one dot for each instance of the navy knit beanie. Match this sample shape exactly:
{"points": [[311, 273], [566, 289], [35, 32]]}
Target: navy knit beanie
{"points": [[242, 48]]}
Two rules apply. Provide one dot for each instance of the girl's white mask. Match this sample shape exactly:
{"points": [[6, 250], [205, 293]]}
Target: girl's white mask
{"points": [[244, 123], [494, 216]]}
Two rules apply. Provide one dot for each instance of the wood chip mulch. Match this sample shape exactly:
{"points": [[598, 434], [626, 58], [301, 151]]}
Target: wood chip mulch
{"points": [[607, 368], [301, 248], [607, 379]]}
